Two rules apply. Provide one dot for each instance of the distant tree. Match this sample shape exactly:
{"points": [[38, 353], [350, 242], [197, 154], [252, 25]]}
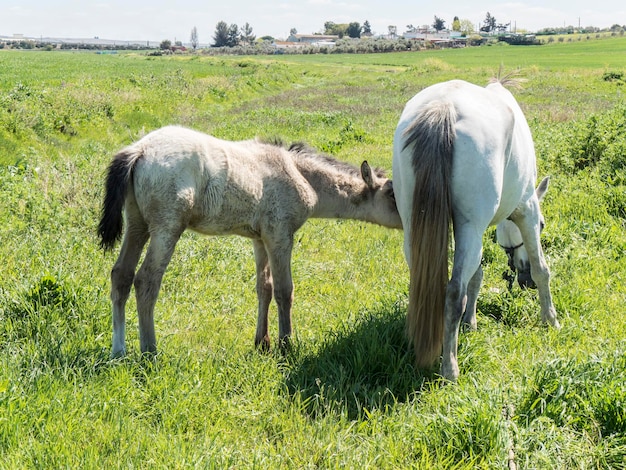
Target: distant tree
{"points": [[220, 38], [354, 30], [166, 44], [267, 38], [367, 28], [194, 38], [456, 24], [489, 24], [439, 24], [336, 29], [501, 27], [466, 27], [393, 31], [233, 35], [410, 28], [246, 34], [293, 32]]}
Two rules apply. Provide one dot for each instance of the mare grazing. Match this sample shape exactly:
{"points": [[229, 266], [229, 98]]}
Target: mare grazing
{"points": [[465, 154], [175, 178]]}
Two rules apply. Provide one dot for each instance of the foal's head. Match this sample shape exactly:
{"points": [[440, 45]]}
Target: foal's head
{"points": [[378, 195], [510, 239], [369, 191]]}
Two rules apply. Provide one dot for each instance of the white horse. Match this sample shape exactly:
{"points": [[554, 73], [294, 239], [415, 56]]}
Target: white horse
{"points": [[175, 178], [465, 154]]}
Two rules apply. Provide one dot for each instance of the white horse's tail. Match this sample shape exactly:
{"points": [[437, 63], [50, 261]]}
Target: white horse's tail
{"points": [[116, 186], [432, 135]]}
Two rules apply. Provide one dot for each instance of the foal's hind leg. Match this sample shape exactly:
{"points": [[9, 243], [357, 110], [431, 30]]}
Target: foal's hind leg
{"points": [[148, 282], [122, 276], [529, 227], [264, 286]]}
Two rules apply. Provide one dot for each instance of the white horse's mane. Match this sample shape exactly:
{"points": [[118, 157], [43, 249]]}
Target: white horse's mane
{"points": [[509, 80]]}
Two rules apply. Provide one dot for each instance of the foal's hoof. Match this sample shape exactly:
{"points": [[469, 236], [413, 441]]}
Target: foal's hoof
{"points": [[284, 344], [149, 357], [263, 344], [119, 354]]}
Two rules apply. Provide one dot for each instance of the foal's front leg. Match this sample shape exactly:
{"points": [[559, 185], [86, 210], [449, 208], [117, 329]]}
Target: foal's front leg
{"points": [[264, 288], [280, 263]]}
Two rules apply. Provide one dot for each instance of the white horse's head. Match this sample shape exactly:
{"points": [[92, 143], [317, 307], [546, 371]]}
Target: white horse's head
{"points": [[510, 239]]}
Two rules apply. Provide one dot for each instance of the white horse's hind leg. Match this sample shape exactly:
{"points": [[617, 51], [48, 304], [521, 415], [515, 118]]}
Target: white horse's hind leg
{"points": [[466, 263], [264, 287], [529, 228], [473, 288], [148, 283], [122, 276]]}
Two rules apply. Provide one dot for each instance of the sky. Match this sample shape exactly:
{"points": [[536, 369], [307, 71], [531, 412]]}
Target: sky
{"points": [[156, 20]]}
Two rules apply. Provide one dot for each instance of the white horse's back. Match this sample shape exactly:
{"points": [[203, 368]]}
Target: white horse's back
{"points": [[486, 187]]}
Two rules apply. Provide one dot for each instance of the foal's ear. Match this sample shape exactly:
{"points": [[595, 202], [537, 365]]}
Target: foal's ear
{"points": [[366, 174], [542, 189]]}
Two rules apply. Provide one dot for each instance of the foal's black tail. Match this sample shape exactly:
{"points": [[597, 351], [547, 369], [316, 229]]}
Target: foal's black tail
{"points": [[116, 185]]}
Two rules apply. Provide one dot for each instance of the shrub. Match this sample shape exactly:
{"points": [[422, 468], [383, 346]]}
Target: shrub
{"points": [[597, 142]]}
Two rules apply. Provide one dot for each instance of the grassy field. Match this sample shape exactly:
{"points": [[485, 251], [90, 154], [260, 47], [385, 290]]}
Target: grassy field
{"points": [[348, 395]]}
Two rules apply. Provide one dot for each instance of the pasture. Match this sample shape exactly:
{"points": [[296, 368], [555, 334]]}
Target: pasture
{"points": [[347, 395]]}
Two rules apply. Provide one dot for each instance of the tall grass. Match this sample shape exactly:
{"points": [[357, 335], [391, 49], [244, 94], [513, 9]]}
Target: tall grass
{"points": [[347, 396]]}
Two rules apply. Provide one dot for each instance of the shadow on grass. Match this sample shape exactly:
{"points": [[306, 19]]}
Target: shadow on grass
{"points": [[363, 366]]}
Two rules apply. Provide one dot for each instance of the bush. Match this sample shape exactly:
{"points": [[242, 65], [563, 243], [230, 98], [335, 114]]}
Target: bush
{"points": [[597, 142]]}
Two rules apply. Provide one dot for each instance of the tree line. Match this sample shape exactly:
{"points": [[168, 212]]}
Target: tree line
{"points": [[232, 35]]}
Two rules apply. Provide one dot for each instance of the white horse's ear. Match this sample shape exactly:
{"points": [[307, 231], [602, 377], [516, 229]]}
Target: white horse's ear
{"points": [[542, 189], [366, 174]]}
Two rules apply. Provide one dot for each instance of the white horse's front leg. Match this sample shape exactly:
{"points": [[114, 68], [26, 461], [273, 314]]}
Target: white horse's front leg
{"points": [[529, 227], [264, 287], [541, 275]]}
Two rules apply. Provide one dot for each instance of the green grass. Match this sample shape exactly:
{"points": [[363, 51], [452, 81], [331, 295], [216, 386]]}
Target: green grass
{"points": [[348, 395]]}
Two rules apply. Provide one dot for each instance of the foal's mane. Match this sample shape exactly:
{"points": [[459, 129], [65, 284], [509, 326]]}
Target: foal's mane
{"points": [[300, 150]]}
